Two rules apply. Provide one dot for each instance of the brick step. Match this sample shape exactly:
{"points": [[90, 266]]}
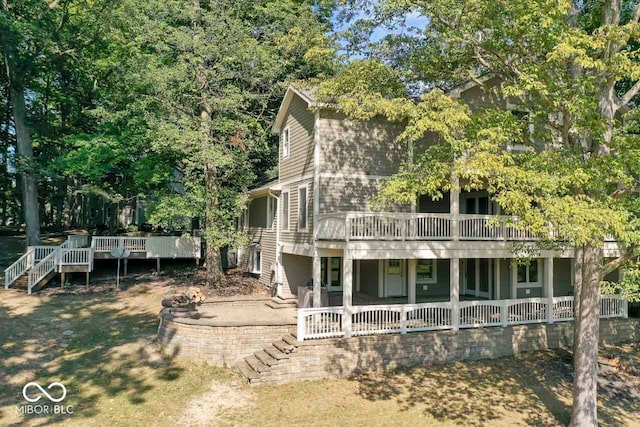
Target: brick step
{"points": [[278, 302], [257, 368], [247, 371], [275, 353], [265, 358], [256, 364]]}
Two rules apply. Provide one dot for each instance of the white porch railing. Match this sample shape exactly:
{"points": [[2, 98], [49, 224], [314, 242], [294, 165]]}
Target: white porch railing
{"points": [[362, 226], [331, 322], [81, 256], [153, 247]]}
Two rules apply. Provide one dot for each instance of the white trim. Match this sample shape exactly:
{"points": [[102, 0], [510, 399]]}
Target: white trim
{"points": [[380, 278], [293, 180], [352, 175], [285, 141], [284, 106], [316, 172], [288, 193], [253, 250], [271, 213], [306, 208]]}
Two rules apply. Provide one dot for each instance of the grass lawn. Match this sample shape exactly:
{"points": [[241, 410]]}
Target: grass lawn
{"points": [[115, 376]]}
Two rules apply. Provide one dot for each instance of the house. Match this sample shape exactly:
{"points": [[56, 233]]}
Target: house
{"points": [[441, 264]]}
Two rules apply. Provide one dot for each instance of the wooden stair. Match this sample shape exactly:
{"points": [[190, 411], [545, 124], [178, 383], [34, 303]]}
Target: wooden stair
{"points": [[257, 367], [22, 282]]}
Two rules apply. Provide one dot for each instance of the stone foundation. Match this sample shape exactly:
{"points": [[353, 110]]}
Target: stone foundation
{"points": [[345, 357]]}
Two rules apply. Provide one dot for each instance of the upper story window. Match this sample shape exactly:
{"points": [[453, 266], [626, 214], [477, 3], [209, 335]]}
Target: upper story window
{"points": [[285, 210], [272, 208], [302, 208], [286, 142], [529, 274], [426, 271]]}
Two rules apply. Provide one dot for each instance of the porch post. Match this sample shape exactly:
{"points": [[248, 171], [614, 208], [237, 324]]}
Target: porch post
{"points": [[514, 279], [317, 283], [454, 209], [347, 293], [548, 285], [497, 277], [454, 296], [412, 280]]}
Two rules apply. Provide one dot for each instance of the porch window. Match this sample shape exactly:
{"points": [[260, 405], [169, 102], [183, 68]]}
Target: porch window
{"points": [[285, 210], [255, 259], [302, 208], [426, 271], [529, 274]]}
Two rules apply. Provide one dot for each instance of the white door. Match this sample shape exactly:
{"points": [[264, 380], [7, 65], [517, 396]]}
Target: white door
{"points": [[394, 278]]}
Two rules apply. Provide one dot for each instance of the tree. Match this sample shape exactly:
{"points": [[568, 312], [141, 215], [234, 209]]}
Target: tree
{"points": [[573, 67], [206, 78]]}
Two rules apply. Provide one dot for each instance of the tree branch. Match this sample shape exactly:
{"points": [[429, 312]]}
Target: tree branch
{"points": [[616, 263], [627, 97]]}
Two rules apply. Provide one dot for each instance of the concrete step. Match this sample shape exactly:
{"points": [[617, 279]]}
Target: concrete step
{"points": [[275, 353], [256, 364]]}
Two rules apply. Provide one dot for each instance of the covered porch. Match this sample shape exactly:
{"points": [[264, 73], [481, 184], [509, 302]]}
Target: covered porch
{"points": [[391, 295]]}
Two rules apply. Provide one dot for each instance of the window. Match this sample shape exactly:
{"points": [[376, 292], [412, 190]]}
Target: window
{"points": [[286, 143], [529, 274], [255, 259], [285, 210], [272, 208], [426, 271], [302, 208]]}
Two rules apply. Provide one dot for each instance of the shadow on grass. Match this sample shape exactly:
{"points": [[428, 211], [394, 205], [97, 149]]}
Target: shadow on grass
{"points": [[107, 354]]}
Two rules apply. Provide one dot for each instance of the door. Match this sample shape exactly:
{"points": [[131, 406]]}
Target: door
{"points": [[477, 277], [331, 273], [394, 278], [477, 203]]}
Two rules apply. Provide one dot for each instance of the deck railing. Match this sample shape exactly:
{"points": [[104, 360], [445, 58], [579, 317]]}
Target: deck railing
{"points": [[20, 267], [80, 256], [363, 226], [42, 269], [332, 322]]}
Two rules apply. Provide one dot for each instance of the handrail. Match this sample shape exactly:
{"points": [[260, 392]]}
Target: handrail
{"points": [[18, 268], [43, 268]]}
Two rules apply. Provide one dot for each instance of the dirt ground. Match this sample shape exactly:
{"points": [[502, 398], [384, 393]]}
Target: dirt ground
{"points": [[100, 343]]}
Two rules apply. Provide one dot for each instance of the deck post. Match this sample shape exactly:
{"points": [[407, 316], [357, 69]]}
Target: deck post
{"points": [[158, 265], [87, 279], [347, 293], [454, 296], [125, 267], [62, 279], [412, 280], [317, 280], [548, 286]]}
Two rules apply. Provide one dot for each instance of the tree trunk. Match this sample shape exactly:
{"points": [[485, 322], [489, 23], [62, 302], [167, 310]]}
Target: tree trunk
{"points": [[213, 261], [585, 385], [24, 145]]}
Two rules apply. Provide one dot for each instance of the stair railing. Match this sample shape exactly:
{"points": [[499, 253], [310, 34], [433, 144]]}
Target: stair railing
{"points": [[43, 268], [18, 268]]}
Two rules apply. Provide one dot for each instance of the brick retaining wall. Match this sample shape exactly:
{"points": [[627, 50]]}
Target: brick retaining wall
{"points": [[345, 357], [217, 343]]}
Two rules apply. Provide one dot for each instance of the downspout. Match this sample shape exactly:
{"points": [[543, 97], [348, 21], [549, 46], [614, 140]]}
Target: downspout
{"points": [[278, 279]]}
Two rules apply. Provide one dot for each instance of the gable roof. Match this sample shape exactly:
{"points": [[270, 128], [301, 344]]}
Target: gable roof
{"points": [[305, 94]]}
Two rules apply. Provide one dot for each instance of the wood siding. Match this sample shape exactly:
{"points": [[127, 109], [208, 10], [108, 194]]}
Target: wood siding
{"points": [[300, 121], [267, 240], [293, 235]]}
